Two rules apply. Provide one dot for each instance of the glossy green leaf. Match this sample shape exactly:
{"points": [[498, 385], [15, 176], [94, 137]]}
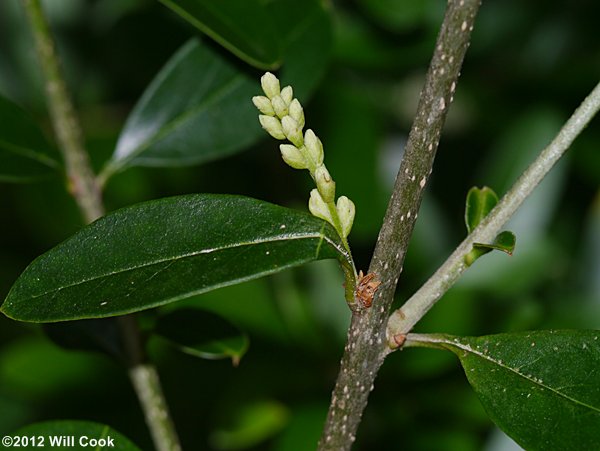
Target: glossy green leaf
{"points": [[202, 334], [480, 202], [66, 435], [157, 252], [542, 388], [244, 27], [197, 109], [25, 155]]}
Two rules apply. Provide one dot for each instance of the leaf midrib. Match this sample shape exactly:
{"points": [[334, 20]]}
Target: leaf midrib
{"points": [[222, 41], [524, 376], [203, 251], [181, 118]]}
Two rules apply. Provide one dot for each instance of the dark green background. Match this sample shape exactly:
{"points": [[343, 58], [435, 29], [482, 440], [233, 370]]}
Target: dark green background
{"points": [[529, 65]]}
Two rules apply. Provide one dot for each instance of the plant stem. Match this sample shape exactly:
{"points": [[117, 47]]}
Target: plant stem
{"points": [[81, 180], [146, 383], [366, 345], [85, 190], [403, 319]]}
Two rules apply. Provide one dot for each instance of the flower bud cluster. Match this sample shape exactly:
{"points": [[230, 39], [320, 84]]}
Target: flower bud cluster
{"points": [[282, 117]]}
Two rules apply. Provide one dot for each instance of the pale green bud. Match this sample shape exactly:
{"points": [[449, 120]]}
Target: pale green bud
{"points": [[318, 207], [287, 94], [345, 210], [292, 131], [272, 126], [325, 184], [280, 107], [297, 113], [314, 147], [264, 105], [292, 156], [270, 85]]}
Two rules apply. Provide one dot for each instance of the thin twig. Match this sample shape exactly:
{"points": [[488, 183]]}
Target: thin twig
{"points": [[146, 383], [403, 319], [86, 192], [366, 345], [82, 182]]}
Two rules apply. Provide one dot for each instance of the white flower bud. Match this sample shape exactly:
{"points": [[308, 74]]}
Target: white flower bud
{"points": [[314, 147], [270, 85], [325, 184], [287, 94], [280, 107], [292, 156], [318, 207], [272, 126], [297, 113], [292, 131], [345, 210], [264, 105]]}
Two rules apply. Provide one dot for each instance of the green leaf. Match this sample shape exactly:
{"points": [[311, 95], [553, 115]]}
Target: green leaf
{"points": [[542, 388], [24, 152], [84, 435], [197, 109], [202, 334], [480, 202], [504, 241], [243, 27], [161, 251]]}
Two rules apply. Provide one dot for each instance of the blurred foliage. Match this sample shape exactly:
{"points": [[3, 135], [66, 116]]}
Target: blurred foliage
{"points": [[529, 65]]}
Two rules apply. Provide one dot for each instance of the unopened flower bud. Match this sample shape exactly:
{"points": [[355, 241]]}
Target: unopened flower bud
{"points": [[280, 107], [318, 207], [292, 156], [314, 147], [325, 184], [264, 105], [292, 131], [272, 126], [270, 85], [287, 94], [297, 113], [345, 210]]}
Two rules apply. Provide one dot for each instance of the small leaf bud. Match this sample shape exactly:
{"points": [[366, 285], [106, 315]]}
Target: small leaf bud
{"points": [[345, 210], [264, 105], [272, 126], [292, 156], [314, 147], [325, 184], [318, 207], [297, 113], [270, 85], [280, 107], [287, 94], [292, 131]]}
